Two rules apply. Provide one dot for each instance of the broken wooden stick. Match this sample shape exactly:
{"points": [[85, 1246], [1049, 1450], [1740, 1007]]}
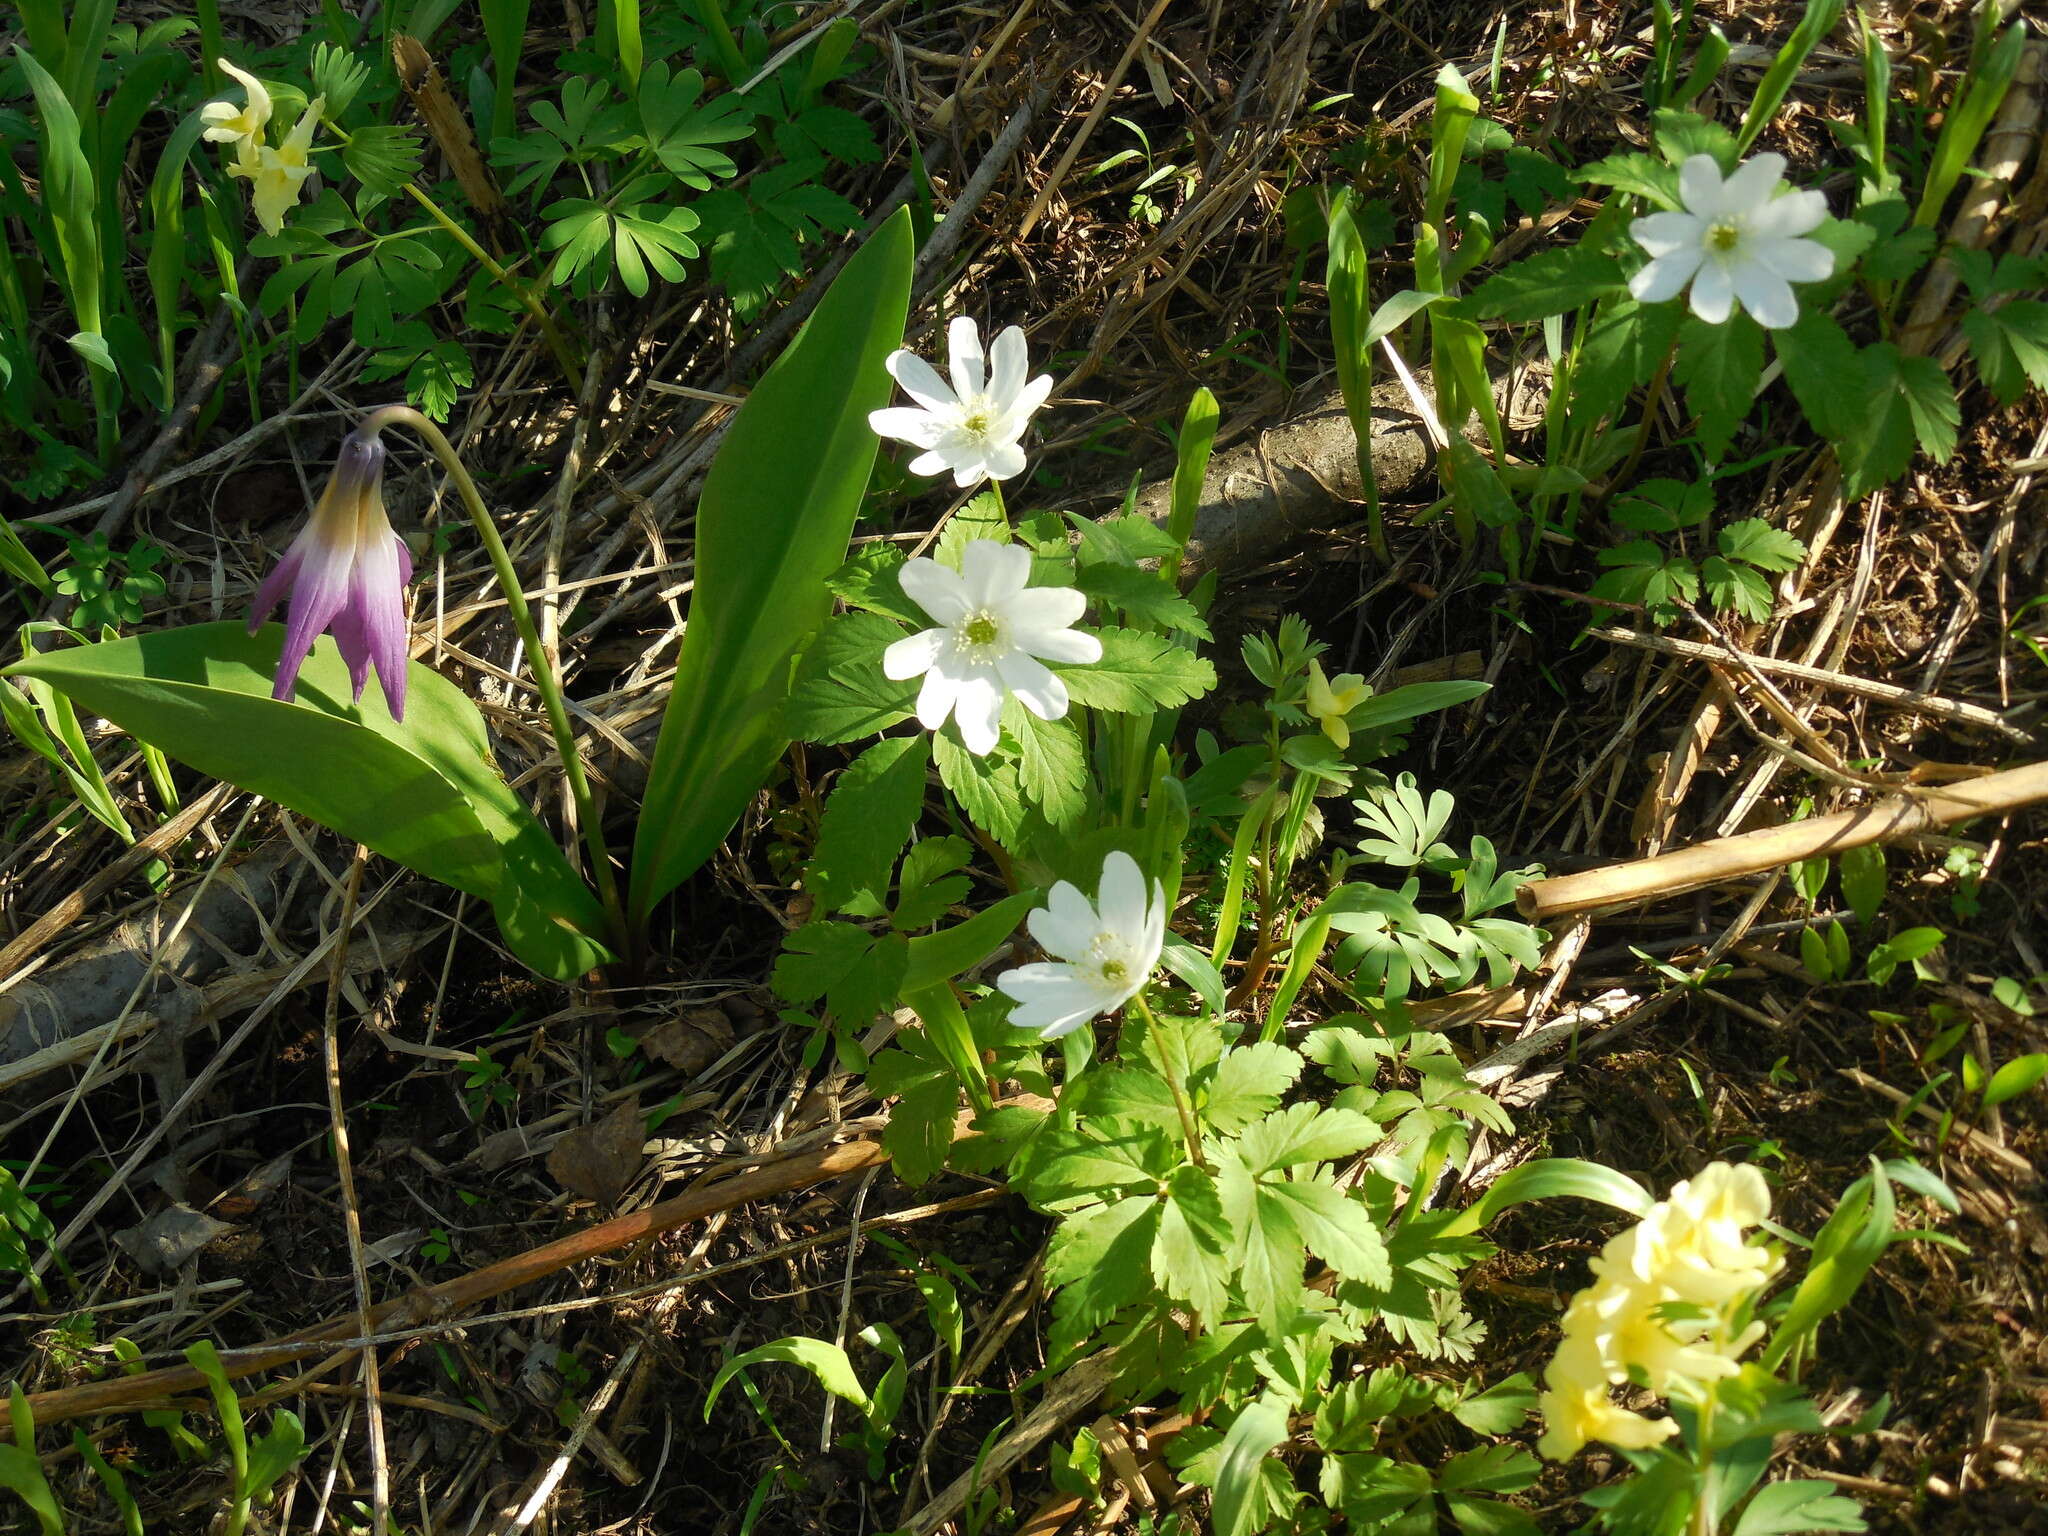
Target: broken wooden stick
{"points": [[1750, 853]]}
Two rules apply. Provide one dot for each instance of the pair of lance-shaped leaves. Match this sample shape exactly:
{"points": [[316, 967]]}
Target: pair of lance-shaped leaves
{"points": [[773, 523]]}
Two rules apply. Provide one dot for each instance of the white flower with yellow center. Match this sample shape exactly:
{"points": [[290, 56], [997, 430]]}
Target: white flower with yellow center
{"points": [[971, 426], [242, 126], [1737, 242], [1106, 950], [277, 175], [991, 632]]}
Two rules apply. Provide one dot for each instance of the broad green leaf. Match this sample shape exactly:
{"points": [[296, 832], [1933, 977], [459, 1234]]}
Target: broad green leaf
{"points": [[1139, 673], [941, 956], [1545, 1179], [1863, 880], [824, 1360], [1822, 369], [1249, 1082], [1798, 1505], [275, 1454], [2015, 1078], [1719, 367], [772, 526], [1191, 465], [1259, 1428], [1552, 282], [1191, 1249], [423, 792], [21, 1474], [868, 818], [841, 693]]}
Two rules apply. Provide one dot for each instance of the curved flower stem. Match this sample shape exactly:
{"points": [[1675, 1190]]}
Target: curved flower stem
{"points": [[551, 333], [549, 686]]}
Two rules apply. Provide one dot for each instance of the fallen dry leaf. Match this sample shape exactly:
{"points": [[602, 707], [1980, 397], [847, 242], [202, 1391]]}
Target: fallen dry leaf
{"points": [[692, 1040], [598, 1161]]}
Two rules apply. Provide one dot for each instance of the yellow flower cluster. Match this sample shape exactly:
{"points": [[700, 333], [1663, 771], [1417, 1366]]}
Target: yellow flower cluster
{"points": [[276, 174], [1663, 1310]]}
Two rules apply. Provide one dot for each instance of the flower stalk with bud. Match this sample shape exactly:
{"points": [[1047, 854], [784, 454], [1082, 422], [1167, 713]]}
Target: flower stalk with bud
{"points": [[347, 571]]}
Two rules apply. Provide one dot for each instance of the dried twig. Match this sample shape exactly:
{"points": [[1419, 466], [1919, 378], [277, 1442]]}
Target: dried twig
{"points": [[1749, 853]]}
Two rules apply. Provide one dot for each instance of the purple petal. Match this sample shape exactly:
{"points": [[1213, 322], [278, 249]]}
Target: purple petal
{"points": [[379, 607], [280, 581], [319, 593]]}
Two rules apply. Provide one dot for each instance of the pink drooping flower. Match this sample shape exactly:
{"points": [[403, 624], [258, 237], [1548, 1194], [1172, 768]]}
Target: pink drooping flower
{"points": [[346, 572]]}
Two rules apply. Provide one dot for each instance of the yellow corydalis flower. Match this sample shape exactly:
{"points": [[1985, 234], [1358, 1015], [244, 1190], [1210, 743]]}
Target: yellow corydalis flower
{"points": [[276, 175], [1330, 700], [1663, 1309], [242, 126]]}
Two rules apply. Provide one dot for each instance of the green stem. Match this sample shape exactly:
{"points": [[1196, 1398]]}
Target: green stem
{"points": [[557, 343], [1189, 1129], [1651, 401], [537, 658]]}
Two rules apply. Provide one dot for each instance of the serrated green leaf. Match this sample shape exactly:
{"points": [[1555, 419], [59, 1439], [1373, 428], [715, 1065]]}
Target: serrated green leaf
{"points": [[1719, 367], [1052, 767], [1139, 673], [1643, 175], [1798, 1504], [986, 787], [1823, 371], [1249, 1082], [2010, 344], [1552, 282], [1144, 596], [1906, 401], [872, 578], [841, 693], [1337, 1228], [868, 818], [1191, 1248], [1305, 1133]]}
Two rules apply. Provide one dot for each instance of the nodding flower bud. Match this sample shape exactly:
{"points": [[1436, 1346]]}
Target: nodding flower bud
{"points": [[346, 573]]}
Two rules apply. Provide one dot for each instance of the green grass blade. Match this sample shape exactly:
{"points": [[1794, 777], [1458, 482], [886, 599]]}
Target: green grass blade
{"points": [[505, 31], [772, 525], [1819, 20]]}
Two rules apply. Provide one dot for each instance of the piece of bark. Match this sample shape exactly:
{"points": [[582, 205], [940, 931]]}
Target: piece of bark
{"points": [[87, 989], [1299, 477]]}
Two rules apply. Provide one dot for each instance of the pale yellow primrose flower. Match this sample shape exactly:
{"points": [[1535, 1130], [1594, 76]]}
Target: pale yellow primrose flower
{"points": [[276, 175], [1690, 1251], [242, 127], [1331, 700]]}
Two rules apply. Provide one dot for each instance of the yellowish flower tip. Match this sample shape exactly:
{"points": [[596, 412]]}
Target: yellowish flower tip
{"points": [[1331, 700], [1664, 1308]]}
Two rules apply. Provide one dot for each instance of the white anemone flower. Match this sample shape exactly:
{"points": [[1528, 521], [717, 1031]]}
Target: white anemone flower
{"points": [[1107, 950], [971, 426], [991, 631], [1737, 242]]}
